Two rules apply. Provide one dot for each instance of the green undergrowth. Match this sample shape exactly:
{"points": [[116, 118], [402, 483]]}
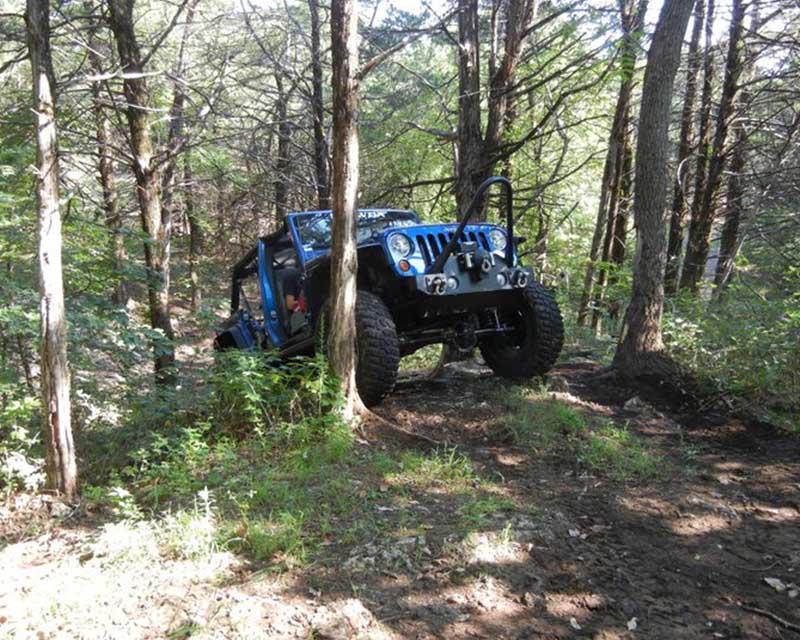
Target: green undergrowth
{"points": [[745, 346], [545, 425], [266, 469], [465, 498]]}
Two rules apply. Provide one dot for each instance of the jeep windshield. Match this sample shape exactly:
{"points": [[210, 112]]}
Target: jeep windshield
{"points": [[315, 228]]}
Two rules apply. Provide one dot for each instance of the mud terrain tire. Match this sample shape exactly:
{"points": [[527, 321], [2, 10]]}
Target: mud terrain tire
{"points": [[535, 347], [377, 347]]}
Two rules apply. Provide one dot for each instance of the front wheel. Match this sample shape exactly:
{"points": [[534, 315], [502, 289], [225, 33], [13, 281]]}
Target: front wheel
{"points": [[535, 344], [377, 347]]}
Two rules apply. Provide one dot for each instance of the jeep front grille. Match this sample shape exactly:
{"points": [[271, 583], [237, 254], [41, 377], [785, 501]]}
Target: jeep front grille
{"points": [[432, 244]]}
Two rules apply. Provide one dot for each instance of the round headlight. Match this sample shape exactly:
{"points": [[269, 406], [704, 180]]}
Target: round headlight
{"points": [[498, 239], [400, 245]]}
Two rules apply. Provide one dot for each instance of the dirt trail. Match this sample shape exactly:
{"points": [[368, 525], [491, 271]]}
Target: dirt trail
{"points": [[686, 555], [674, 558]]}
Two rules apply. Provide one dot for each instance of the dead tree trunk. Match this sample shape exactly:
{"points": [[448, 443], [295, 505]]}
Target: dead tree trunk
{"points": [[195, 234], [61, 466], [106, 168], [318, 110], [694, 265], [344, 258], [157, 246], [679, 199], [641, 335]]}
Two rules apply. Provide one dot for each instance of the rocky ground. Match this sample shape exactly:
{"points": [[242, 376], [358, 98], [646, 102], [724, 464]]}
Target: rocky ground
{"points": [[708, 546]]}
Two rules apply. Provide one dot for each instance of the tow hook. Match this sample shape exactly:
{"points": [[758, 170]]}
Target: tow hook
{"points": [[436, 284], [519, 279]]}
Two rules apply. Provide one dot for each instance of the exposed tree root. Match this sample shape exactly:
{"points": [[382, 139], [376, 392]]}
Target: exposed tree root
{"points": [[658, 374], [373, 419], [776, 619]]}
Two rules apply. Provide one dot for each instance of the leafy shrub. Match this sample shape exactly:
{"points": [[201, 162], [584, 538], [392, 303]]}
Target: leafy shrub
{"points": [[746, 345], [295, 403], [21, 462]]}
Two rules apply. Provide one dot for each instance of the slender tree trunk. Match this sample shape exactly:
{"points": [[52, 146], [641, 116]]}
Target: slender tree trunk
{"points": [[620, 240], [631, 19], [641, 335], [157, 246], [344, 258], [318, 109], [599, 228], [729, 241], [61, 466], [678, 218], [700, 231], [611, 219], [175, 137], [734, 208], [703, 142], [106, 168], [282, 165], [195, 234]]}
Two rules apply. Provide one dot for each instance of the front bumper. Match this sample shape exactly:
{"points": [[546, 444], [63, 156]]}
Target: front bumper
{"points": [[456, 280]]}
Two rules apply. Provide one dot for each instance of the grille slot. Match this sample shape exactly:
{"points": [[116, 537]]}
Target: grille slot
{"points": [[423, 247], [431, 245]]}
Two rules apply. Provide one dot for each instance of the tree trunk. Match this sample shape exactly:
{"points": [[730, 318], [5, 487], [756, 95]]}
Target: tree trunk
{"points": [[106, 168], [175, 139], [157, 246], [678, 218], [61, 466], [318, 110], [734, 207], [611, 219], [631, 20], [476, 154], [703, 142], [641, 335], [700, 230], [195, 234], [469, 144], [344, 258], [599, 227], [282, 165], [620, 240], [729, 241]]}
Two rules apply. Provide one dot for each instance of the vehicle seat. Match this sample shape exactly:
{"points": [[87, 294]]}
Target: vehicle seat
{"points": [[281, 277]]}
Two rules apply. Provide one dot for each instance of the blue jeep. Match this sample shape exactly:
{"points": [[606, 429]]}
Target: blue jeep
{"points": [[418, 284]]}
